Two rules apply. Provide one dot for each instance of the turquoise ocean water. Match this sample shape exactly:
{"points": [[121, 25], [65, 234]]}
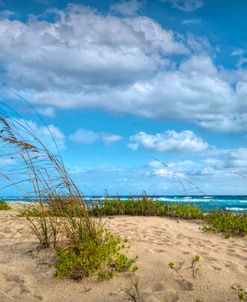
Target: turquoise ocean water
{"points": [[224, 202]]}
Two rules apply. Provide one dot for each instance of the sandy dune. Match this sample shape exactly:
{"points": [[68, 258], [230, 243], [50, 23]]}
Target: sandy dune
{"points": [[26, 273]]}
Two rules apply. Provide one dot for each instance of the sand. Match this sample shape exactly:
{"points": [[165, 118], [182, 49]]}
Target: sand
{"points": [[26, 273]]}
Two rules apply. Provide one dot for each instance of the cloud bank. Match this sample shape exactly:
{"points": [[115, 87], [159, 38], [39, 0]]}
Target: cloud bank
{"points": [[185, 141], [83, 59], [84, 136]]}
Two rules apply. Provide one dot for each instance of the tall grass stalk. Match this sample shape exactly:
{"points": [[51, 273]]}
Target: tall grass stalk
{"points": [[61, 219]]}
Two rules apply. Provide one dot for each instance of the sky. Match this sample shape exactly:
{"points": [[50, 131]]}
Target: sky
{"points": [[135, 92]]}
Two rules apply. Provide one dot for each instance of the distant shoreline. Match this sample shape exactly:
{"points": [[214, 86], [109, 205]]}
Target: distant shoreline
{"points": [[237, 203]]}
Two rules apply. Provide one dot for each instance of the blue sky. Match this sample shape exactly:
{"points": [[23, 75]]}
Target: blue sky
{"points": [[124, 83]]}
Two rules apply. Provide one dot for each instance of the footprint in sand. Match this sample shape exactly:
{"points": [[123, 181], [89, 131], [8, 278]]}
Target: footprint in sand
{"points": [[6, 231], [158, 287], [217, 268], [167, 295], [160, 251], [231, 250], [185, 252], [185, 285], [16, 290]]}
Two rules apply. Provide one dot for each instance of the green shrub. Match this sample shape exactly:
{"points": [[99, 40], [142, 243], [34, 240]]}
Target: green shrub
{"points": [[4, 205], [145, 207], [242, 293], [83, 246], [98, 254], [226, 222]]}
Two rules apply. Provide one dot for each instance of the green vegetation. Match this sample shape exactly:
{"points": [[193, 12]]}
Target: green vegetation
{"points": [[226, 222], [59, 206], [242, 293], [173, 267], [100, 254], [4, 206], [194, 268], [194, 265], [42, 226], [145, 207], [84, 247]]}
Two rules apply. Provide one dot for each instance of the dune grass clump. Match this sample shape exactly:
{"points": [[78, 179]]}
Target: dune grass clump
{"points": [[4, 206], [184, 211], [99, 254], [84, 247], [226, 222], [145, 207], [59, 219], [54, 206], [29, 211], [110, 207], [40, 224], [65, 205]]}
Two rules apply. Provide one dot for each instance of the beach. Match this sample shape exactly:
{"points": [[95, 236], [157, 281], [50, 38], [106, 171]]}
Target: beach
{"points": [[26, 273]]}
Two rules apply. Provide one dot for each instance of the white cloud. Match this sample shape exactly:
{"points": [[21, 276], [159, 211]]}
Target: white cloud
{"points": [[47, 111], [238, 52], [191, 21], [216, 171], [186, 5], [241, 55], [197, 91], [171, 169], [84, 136], [163, 172], [6, 13], [127, 8], [181, 165], [199, 45], [185, 141], [83, 48], [6, 161], [109, 138], [225, 162], [237, 159], [88, 60]]}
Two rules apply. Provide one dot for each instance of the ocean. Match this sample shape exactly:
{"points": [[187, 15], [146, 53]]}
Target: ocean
{"points": [[212, 202]]}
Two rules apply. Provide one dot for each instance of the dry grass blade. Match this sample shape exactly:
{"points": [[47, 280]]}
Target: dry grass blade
{"points": [[134, 293], [61, 219]]}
